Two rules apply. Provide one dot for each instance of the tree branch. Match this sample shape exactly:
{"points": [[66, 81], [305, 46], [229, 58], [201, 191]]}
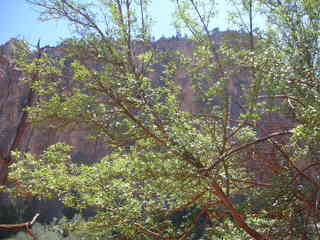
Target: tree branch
{"points": [[21, 226], [148, 232], [244, 146]]}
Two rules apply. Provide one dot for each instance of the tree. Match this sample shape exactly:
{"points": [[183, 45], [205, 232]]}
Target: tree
{"points": [[5, 154], [163, 159]]}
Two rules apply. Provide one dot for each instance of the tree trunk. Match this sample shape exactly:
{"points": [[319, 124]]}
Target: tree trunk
{"points": [[3, 171]]}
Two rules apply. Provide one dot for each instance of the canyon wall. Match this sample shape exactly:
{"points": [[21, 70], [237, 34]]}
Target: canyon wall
{"points": [[14, 95]]}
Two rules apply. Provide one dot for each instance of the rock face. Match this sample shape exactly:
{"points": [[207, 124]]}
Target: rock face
{"points": [[13, 98]]}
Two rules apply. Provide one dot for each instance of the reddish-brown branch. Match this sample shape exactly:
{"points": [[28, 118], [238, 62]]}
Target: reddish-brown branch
{"points": [[251, 183], [192, 201], [244, 146], [238, 218], [292, 165], [149, 232], [21, 226], [310, 166]]}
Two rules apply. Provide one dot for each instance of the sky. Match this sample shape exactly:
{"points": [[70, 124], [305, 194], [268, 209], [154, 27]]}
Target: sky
{"points": [[18, 19]]}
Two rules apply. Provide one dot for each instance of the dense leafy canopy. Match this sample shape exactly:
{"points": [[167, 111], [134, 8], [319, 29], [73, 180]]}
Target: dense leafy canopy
{"points": [[178, 169]]}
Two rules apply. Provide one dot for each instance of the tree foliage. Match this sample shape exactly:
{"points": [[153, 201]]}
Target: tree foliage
{"points": [[173, 171]]}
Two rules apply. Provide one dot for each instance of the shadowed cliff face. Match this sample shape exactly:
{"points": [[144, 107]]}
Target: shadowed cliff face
{"points": [[17, 133], [14, 97], [10, 110]]}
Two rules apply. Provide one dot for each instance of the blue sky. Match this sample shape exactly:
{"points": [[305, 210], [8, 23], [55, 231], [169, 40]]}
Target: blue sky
{"points": [[20, 19]]}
